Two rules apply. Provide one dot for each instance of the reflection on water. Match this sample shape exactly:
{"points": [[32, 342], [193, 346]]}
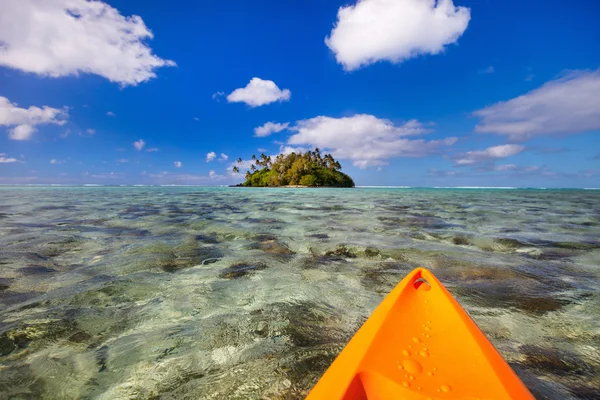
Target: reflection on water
{"points": [[141, 293]]}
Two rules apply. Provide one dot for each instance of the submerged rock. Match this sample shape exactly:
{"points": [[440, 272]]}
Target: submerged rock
{"points": [[340, 251], [241, 269], [318, 236], [310, 324], [576, 245], [554, 361], [21, 337], [371, 252], [271, 244], [510, 243], [36, 270], [461, 240], [172, 258]]}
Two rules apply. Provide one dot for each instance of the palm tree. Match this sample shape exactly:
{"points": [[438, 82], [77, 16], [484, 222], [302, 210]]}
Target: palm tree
{"points": [[236, 170], [253, 167], [253, 157], [248, 174], [328, 160], [240, 161]]}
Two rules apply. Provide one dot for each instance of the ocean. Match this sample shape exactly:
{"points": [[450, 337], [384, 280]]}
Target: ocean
{"points": [[250, 293]]}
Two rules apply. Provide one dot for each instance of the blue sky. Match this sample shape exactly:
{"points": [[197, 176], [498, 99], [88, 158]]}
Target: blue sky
{"points": [[402, 92]]}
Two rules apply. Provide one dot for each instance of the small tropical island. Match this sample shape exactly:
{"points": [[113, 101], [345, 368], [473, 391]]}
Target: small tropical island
{"points": [[309, 169]]}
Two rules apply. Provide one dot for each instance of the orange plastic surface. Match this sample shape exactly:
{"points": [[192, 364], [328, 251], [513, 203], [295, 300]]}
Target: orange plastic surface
{"points": [[419, 344]]}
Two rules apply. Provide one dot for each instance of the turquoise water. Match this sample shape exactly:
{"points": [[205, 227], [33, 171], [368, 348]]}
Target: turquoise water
{"points": [[212, 293]]}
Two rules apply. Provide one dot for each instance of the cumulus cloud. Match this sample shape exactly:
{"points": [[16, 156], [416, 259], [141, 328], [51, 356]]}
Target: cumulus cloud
{"points": [[152, 150], [7, 160], [139, 144], [122, 160], [23, 121], [110, 114], [90, 131], [258, 93], [394, 30], [214, 176], [55, 161], [223, 157], [177, 164], [218, 95], [68, 37], [211, 156], [567, 105], [269, 128], [366, 139], [489, 154]]}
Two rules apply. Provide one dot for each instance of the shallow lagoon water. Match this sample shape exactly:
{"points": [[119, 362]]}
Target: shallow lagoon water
{"points": [[212, 293]]}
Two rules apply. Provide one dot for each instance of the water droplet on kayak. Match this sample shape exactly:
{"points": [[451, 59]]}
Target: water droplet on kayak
{"points": [[427, 336], [430, 373], [428, 322], [425, 349], [423, 353], [405, 384], [445, 388], [412, 366], [419, 388], [411, 378], [434, 368], [427, 328], [416, 339], [405, 353], [400, 367]]}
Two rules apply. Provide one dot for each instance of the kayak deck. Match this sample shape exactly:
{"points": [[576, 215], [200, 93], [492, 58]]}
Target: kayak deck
{"points": [[419, 344]]}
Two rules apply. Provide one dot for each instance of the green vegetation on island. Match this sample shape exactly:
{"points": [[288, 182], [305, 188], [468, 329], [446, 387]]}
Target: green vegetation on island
{"points": [[309, 169]]}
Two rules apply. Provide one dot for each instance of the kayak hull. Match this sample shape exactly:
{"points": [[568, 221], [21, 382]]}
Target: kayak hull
{"points": [[419, 344]]}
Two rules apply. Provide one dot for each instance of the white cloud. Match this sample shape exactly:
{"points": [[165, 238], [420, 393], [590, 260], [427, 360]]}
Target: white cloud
{"points": [[67, 37], [21, 132], [261, 150], [489, 154], [223, 157], [394, 30], [122, 160], [259, 92], [139, 144], [196, 119], [24, 120], [567, 105], [7, 160], [365, 139], [285, 150], [110, 114], [152, 150], [55, 161], [177, 164], [488, 70], [211, 156], [218, 95], [213, 175], [90, 131], [269, 128]]}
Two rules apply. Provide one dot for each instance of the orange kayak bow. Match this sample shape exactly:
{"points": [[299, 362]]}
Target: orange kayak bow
{"points": [[419, 344]]}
